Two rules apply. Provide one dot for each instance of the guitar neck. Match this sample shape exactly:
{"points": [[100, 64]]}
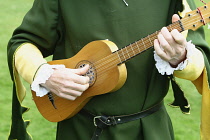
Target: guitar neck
{"points": [[193, 20], [143, 44]]}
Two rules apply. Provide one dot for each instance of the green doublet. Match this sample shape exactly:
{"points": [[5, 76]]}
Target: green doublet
{"points": [[63, 27]]}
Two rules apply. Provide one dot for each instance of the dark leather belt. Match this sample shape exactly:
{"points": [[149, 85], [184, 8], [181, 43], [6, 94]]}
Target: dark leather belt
{"points": [[104, 121]]}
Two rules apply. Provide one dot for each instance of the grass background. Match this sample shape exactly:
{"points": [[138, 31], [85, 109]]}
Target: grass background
{"points": [[186, 127]]}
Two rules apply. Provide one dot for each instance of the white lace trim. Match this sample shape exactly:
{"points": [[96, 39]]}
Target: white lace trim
{"points": [[164, 67], [42, 76]]}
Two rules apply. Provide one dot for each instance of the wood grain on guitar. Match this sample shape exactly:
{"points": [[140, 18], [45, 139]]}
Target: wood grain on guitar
{"points": [[107, 71]]}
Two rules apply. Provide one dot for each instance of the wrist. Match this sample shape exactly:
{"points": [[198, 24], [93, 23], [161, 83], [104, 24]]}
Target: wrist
{"points": [[175, 62], [43, 74], [167, 68]]}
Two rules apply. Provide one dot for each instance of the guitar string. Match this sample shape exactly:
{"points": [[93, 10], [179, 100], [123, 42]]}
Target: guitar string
{"points": [[115, 59], [107, 57], [150, 41], [146, 42], [120, 53], [109, 66], [135, 49], [112, 61], [124, 54]]}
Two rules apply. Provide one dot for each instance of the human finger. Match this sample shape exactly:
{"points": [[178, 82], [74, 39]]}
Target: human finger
{"points": [[79, 79], [73, 90], [71, 87], [159, 50], [78, 75], [81, 71], [175, 18], [167, 35], [178, 37], [168, 49]]}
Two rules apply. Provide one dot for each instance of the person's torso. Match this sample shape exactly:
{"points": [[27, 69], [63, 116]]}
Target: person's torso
{"points": [[113, 20]]}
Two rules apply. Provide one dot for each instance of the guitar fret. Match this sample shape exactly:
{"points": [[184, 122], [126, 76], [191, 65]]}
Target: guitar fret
{"points": [[156, 33], [123, 55], [181, 26], [150, 41], [147, 42], [103, 67], [137, 46], [119, 57], [169, 28], [143, 43], [127, 51], [133, 51]]}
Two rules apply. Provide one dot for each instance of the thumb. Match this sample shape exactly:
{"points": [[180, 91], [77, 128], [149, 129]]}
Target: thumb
{"points": [[175, 18], [81, 71]]}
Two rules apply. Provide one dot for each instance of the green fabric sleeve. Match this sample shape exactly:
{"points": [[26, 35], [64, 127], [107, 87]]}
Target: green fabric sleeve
{"points": [[39, 28]]}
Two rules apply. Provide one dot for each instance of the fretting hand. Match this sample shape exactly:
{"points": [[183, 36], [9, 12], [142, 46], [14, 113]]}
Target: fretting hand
{"points": [[170, 46]]}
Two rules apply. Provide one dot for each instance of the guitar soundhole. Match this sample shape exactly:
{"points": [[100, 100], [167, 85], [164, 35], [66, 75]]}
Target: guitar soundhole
{"points": [[91, 73]]}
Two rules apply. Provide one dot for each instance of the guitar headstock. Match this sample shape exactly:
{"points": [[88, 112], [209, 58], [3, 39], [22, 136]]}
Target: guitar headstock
{"points": [[197, 18]]}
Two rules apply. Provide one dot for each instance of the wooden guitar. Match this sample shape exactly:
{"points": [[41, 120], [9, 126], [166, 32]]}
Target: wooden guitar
{"points": [[107, 70]]}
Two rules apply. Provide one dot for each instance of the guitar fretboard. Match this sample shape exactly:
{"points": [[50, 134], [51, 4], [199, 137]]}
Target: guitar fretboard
{"points": [[193, 20], [143, 44]]}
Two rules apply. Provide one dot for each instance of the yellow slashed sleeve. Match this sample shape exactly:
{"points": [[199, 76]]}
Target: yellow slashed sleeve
{"points": [[202, 86], [200, 79], [194, 67], [197, 73], [26, 61]]}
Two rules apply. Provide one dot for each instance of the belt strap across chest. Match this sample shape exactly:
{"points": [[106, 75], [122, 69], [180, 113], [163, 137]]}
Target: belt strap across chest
{"points": [[104, 121]]}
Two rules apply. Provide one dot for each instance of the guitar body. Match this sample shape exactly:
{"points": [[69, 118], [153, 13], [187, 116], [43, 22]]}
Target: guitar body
{"points": [[107, 72], [103, 81]]}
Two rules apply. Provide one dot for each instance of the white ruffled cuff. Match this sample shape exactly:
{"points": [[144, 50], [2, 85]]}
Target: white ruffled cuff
{"points": [[43, 74], [164, 67]]}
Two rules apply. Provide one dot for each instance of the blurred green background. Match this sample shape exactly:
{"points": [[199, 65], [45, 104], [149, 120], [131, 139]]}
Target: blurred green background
{"points": [[186, 127]]}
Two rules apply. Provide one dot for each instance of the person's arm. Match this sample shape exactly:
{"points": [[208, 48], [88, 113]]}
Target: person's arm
{"points": [[39, 27], [197, 70], [64, 82], [27, 61]]}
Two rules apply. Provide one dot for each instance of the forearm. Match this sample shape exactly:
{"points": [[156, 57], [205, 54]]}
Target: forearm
{"points": [[33, 68]]}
